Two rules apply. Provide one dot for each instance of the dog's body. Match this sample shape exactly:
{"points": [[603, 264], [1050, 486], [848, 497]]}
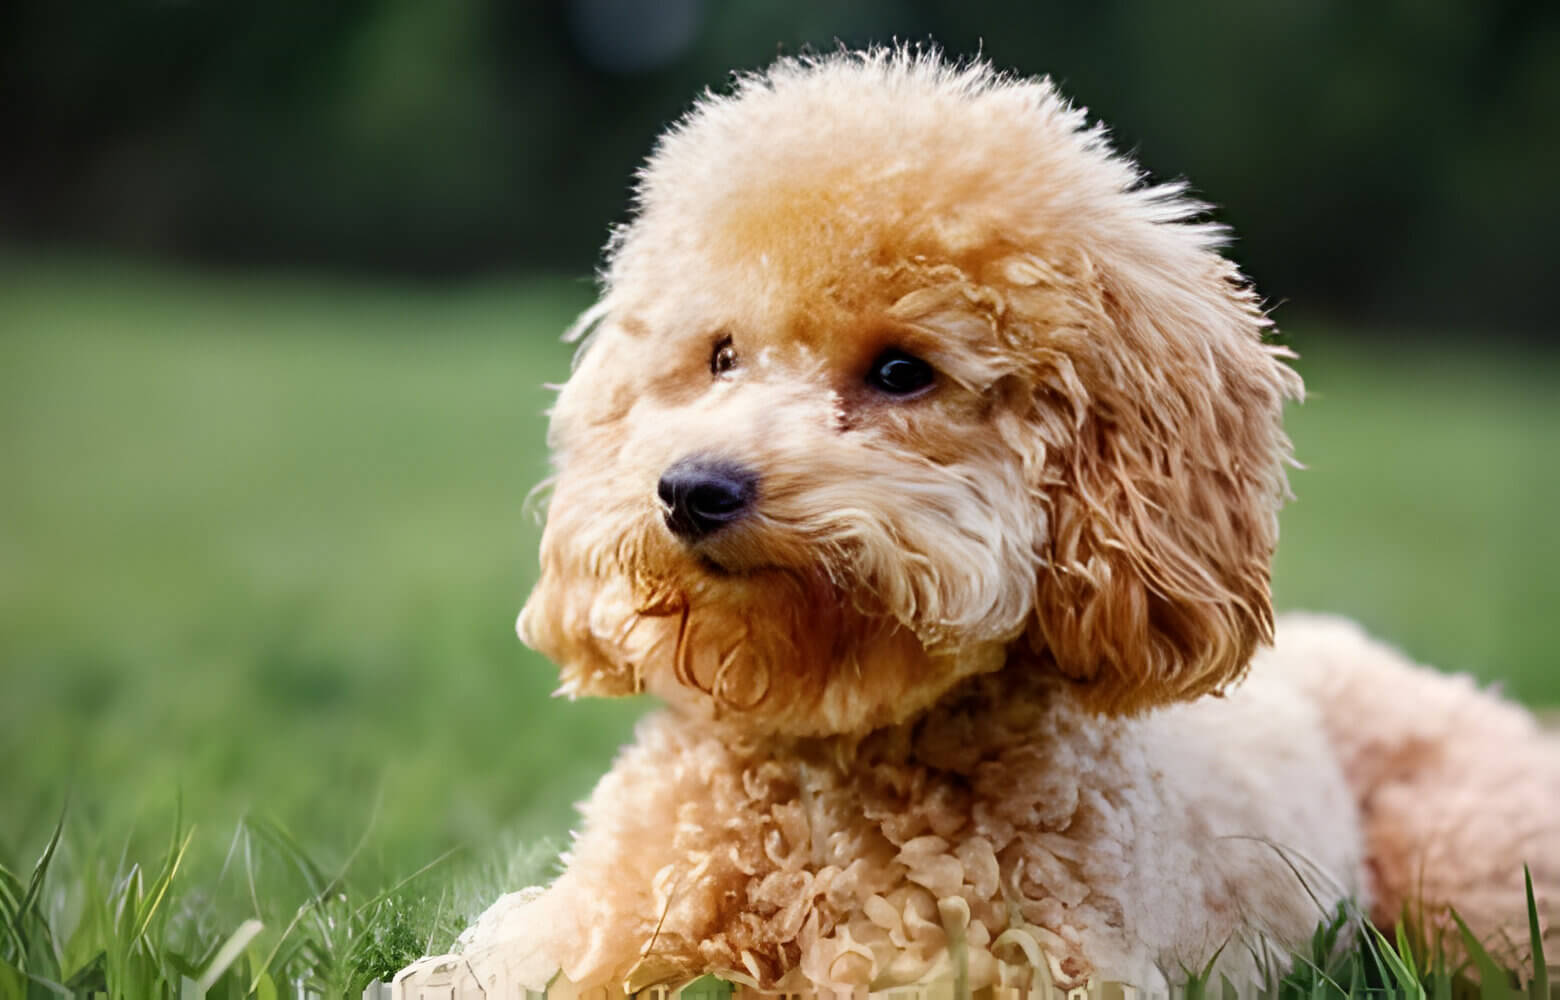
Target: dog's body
{"points": [[1007, 816], [926, 463]]}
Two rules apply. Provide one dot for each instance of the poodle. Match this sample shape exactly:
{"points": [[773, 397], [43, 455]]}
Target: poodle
{"points": [[924, 461]]}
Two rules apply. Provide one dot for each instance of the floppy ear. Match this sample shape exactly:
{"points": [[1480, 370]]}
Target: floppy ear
{"points": [[1163, 492]]}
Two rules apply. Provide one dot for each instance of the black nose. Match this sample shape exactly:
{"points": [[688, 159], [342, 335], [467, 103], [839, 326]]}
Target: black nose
{"points": [[704, 495]]}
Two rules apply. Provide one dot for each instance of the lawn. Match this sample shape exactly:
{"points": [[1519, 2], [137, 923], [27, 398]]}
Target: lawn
{"points": [[262, 542]]}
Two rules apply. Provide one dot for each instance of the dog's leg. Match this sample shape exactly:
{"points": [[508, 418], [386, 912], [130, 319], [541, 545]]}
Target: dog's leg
{"points": [[671, 837], [1458, 788]]}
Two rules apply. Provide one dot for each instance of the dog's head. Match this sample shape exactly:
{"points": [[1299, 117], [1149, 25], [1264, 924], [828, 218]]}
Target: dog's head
{"points": [[898, 375]]}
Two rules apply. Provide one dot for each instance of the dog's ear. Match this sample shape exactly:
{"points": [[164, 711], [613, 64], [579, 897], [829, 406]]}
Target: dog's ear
{"points": [[1163, 471]]}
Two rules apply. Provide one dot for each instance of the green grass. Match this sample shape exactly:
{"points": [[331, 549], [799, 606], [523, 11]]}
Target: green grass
{"points": [[262, 542]]}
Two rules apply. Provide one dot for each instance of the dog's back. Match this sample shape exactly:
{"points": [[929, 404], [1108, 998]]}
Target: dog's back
{"points": [[1457, 787]]}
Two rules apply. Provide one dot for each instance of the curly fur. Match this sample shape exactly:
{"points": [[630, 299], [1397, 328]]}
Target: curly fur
{"points": [[948, 680]]}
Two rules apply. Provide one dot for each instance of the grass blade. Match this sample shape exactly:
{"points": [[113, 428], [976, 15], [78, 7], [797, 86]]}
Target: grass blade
{"points": [[226, 955], [161, 885], [1538, 988], [26, 931], [1405, 951], [35, 884], [14, 945], [288, 848], [1406, 983], [1494, 984]]}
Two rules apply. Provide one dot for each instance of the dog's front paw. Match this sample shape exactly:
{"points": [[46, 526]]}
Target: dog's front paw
{"points": [[505, 953], [445, 977], [506, 969]]}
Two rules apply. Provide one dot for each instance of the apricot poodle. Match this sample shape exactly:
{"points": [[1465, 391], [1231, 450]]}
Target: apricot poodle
{"points": [[924, 460]]}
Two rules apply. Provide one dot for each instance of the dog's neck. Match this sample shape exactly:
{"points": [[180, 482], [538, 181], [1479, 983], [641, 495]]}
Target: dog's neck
{"points": [[978, 719]]}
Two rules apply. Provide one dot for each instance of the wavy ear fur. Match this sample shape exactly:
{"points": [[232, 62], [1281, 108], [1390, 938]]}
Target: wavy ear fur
{"points": [[1162, 493]]}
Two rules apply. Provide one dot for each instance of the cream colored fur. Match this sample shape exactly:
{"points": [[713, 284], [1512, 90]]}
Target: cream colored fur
{"points": [[964, 681]]}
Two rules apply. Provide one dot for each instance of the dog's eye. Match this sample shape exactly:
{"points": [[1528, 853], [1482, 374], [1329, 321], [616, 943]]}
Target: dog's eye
{"points": [[900, 374], [723, 358]]}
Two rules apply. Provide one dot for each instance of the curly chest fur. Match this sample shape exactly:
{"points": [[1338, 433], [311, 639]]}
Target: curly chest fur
{"points": [[999, 822]]}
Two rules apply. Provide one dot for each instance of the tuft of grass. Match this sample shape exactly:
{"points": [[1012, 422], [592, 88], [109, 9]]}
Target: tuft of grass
{"points": [[135, 932], [122, 941], [1349, 957]]}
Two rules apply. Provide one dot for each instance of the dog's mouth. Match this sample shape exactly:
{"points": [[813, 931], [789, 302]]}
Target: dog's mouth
{"points": [[734, 552], [719, 566], [720, 556], [713, 572], [714, 567]]}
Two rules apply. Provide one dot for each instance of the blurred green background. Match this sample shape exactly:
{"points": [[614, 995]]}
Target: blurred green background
{"points": [[280, 285]]}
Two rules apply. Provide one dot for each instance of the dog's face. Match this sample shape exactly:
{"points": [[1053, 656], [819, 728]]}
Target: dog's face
{"points": [[899, 376]]}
